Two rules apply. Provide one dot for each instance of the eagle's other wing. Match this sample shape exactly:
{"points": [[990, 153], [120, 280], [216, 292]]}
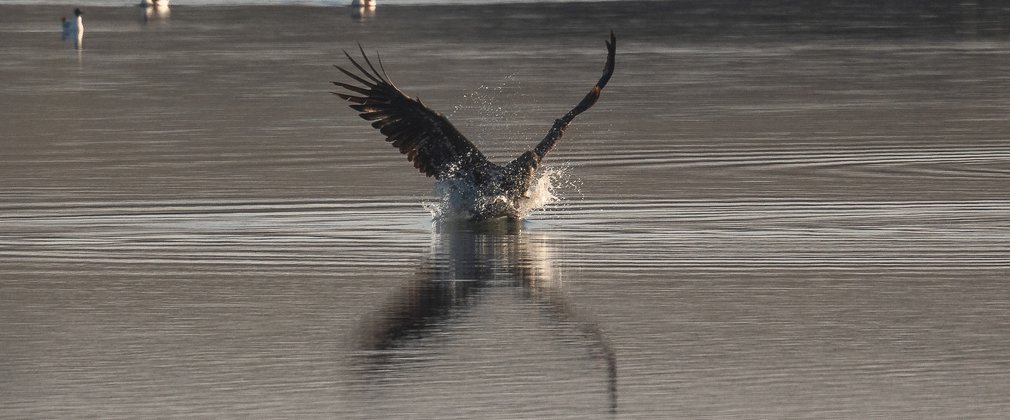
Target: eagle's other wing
{"points": [[532, 158], [427, 138]]}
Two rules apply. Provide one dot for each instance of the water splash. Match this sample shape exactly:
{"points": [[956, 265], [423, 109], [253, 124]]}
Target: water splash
{"points": [[452, 197], [494, 111], [493, 115], [542, 192]]}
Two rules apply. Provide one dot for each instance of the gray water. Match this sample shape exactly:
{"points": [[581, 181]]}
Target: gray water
{"points": [[775, 210]]}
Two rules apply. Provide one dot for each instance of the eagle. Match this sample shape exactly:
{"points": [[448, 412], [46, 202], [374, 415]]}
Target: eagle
{"points": [[437, 149]]}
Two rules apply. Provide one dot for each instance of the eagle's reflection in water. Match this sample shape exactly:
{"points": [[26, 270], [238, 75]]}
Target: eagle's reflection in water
{"points": [[466, 261]]}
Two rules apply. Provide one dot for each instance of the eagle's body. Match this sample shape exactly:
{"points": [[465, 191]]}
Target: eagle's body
{"points": [[437, 149], [487, 190]]}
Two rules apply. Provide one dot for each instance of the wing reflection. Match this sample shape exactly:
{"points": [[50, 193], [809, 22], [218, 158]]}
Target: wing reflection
{"points": [[467, 260]]}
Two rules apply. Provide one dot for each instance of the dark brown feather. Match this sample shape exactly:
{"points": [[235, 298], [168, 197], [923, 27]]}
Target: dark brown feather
{"points": [[427, 138], [350, 98]]}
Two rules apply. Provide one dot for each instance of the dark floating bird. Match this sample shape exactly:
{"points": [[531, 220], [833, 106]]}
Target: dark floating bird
{"points": [[484, 189]]}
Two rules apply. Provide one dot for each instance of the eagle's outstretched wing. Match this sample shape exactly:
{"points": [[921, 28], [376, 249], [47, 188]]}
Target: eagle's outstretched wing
{"points": [[532, 158], [425, 136]]}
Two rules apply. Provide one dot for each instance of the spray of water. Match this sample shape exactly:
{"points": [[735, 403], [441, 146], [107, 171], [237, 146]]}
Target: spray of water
{"points": [[451, 196], [493, 115], [496, 112]]}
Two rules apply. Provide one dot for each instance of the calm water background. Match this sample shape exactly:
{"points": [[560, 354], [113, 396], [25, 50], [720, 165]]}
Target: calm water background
{"points": [[775, 210]]}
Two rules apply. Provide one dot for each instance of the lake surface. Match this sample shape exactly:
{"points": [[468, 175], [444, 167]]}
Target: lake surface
{"points": [[775, 211]]}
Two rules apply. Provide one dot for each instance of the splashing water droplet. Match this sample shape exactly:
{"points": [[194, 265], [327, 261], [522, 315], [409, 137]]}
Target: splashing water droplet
{"points": [[452, 197], [541, 192], [496, 111]]}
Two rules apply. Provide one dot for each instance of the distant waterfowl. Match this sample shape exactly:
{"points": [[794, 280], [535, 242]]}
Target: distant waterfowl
{"points": [[362, 13], [78, 30], [438, 150], [66, 28], [155, 9], [366, 4]]}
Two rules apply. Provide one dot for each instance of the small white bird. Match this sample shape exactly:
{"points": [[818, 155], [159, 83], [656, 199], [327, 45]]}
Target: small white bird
{"points": [[154, 3], [78, 30], [155, 9], [364, 4]]}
